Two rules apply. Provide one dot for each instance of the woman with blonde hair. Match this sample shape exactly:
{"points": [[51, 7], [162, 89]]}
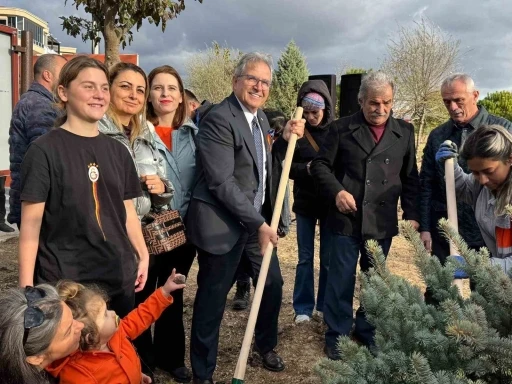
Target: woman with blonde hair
{"points": [[125, 121]]}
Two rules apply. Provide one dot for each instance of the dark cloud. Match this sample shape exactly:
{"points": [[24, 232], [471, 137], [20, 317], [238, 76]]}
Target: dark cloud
{"points": [[330, 33]]}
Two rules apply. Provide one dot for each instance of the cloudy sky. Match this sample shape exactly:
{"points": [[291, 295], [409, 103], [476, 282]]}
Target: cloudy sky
{"points": [[331, 33]]}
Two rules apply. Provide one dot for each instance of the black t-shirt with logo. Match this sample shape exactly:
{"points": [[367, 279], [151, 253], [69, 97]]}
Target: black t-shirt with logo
{"points": [[84, 182]]}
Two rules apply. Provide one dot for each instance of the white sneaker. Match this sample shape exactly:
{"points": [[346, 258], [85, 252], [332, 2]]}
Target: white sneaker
{"points": [[302, 319]]}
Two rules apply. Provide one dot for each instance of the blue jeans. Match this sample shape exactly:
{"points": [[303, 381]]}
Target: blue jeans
{"points": [[338, 312], [304, 289]]}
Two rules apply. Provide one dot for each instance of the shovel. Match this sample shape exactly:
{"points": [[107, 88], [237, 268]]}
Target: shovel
{"points": [[451, 203], [238, 377]]}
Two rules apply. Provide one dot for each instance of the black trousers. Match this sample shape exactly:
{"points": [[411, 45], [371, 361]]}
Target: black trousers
{"points": [[166, 349], [2, 199], [214, 280]]}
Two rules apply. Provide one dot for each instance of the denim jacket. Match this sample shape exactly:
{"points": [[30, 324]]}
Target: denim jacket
{"points": [[180, 163]]}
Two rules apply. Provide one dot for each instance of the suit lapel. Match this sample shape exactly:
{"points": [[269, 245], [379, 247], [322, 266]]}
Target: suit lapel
{"points": [[243, 125], [361, 133], [391, 135]]}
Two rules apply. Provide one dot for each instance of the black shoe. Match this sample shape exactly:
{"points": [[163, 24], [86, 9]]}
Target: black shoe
{"points": [[181, 374], [271, 361], [5, 228], [331, 353], [199, 381], [209, 381], [242, 296]]}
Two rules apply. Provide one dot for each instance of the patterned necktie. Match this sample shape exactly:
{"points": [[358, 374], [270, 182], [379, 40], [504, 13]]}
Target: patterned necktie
{"points": [[256, 134]]}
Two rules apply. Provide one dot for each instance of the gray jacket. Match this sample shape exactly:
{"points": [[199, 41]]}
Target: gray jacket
{"points": [[469, 191], [148, 161]]}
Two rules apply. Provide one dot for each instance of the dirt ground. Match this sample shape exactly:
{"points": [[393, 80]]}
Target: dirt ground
{"points": [[300, 346]]}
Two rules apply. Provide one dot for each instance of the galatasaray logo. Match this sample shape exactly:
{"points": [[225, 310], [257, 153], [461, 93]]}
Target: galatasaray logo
{"points": [[94, 173]]}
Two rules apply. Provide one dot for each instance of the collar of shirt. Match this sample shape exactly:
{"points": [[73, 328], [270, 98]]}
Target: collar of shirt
{"points": [[249, 115]]}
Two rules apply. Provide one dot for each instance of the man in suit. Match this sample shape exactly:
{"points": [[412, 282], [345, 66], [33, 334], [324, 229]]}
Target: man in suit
{"points": [[228, 211], [367, 162]]}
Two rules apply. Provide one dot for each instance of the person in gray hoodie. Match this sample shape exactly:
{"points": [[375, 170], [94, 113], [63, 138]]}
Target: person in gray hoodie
{"points": [[174, 135]]}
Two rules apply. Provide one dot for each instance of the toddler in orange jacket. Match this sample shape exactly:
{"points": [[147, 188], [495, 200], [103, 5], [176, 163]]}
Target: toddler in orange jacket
{"points": [[106, 353]]}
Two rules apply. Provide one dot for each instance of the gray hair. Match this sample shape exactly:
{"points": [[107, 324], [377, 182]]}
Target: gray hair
{"points": [[463, 77], [252, 58], [13, 365], [46, 62], [492, 142], [374, 80]]}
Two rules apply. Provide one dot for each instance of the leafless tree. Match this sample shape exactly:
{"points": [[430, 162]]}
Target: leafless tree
{"points": [[210, 72], [419, 58]]}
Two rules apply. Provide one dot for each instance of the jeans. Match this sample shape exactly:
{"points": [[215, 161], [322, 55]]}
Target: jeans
{"points": [[339, 294], [304, 289]]}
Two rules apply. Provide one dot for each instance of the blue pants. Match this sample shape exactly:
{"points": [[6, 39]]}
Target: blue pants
{"points": [[304, 289], [338, 312]]}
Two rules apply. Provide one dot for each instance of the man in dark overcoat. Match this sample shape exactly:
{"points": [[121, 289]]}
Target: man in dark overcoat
{"points": [[367, 163]]}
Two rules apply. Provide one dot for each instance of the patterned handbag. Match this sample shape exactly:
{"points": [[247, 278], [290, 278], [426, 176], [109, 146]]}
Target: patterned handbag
{"points": [[163, 231]]}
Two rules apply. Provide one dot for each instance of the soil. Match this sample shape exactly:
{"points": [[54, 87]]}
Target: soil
{"points": [[301, 346]]}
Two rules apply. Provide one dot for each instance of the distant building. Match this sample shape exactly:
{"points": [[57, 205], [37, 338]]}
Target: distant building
{"points": [[23, 20]]}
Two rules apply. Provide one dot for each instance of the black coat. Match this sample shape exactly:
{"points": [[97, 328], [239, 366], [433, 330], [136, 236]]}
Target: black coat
{"points": [[306, 200], [376, 175]]}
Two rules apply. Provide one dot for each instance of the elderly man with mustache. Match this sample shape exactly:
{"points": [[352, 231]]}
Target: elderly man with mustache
{"points": [[460, 98], [367, 162]]}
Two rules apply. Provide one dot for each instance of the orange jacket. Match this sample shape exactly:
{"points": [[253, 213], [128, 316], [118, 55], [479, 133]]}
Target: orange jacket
{"points": [[122, 364]]}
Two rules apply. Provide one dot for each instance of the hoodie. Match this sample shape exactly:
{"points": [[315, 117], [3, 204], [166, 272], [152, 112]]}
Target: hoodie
{"points": [[306, 201]]}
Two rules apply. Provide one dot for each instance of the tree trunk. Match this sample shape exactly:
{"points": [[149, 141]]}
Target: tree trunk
{"points": [[420, 130], [112, 38]]}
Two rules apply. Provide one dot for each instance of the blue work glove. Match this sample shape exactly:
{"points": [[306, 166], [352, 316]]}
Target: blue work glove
{"points": [[459, 273], [447, 150]]}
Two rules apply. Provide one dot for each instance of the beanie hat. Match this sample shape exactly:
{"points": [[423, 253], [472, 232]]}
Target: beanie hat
{"points": [[312, 102]]}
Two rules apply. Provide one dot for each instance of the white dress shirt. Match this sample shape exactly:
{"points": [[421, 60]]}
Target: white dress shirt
{"points": [[250, 117]]}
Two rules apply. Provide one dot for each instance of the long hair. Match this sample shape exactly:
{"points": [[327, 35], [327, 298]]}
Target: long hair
{"points": [[85, 304], [492, 142], [13, 365], [137, 121], [70, 72], [182, 112]]}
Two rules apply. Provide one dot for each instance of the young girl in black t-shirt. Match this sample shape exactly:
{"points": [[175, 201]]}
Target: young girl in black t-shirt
{"points": [[78, 218]]}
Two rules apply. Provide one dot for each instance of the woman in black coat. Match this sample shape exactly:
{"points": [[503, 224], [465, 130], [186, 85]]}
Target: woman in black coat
{"points": [[314, 97]]}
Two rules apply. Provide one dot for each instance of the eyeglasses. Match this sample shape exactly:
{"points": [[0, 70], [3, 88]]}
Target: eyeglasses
{"points": [[251, 80], [34, 316]]}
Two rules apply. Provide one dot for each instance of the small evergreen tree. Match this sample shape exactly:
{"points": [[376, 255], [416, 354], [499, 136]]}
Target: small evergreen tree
{"points": [[291, 73], [460, 341], [499, 103]]}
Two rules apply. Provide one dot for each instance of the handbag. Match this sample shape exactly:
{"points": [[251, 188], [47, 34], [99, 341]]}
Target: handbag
{"points": [[163, 231]]}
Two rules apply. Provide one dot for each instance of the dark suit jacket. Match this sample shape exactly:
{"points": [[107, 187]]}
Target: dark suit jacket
{"points": [[221, 208], [375, 174]]}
